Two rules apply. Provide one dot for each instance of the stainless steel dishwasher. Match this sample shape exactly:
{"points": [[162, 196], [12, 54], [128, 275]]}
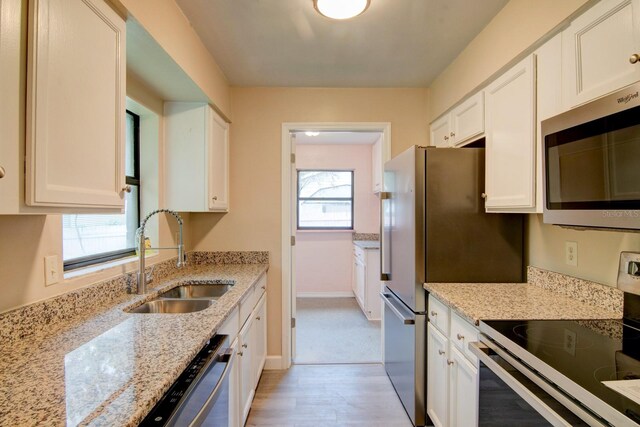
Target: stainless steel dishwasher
{"points": [[200, 395]]}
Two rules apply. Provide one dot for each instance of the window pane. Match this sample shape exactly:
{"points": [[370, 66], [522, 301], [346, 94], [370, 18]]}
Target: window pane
{"points": [[129, 159], [324, 214], [88, 234], [324, 183]]}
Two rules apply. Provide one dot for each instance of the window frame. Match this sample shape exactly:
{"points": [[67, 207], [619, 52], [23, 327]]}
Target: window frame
{"points": [[89, 260], [328, 199]]}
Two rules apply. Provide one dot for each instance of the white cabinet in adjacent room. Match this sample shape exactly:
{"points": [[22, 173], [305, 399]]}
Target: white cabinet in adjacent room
{"points": [[510, 140], [197, 158], [75, 105], [366, 281], [601, 51], [460, 126], [376, 166]]}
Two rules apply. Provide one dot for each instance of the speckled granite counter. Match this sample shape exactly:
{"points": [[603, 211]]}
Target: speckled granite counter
{"points": [[544, 298], [108, 367], [367, 244]]}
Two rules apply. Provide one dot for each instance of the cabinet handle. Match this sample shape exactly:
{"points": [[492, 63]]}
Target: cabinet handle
{"points": [[433, 313], [634, 58], [126, 189], [2, 172], [214, 198], [484, 195], [258, 318], [240, 353], [440, 352], [450, 362], [244, 345], [460, 337], [263, 287], [446, 138], [453, 134]]}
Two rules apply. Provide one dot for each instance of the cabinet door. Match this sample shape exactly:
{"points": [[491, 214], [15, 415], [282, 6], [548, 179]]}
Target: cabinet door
{"points": [[260, 338], [245, 362], [360, 282], [463, 396], [467, 120], [597, 48], [437, 377], [75, 105], [218, 157], [234, 386], [372, 286], [440, 130], [510, 139]]}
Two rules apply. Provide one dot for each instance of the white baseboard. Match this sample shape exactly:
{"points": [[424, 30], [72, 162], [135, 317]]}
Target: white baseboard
{"points": [[342, 294], [273, 363]]}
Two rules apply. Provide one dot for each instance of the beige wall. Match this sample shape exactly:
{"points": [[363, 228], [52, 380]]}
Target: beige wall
{"points": [[26, 240], [253, 222], [516, 27], [166, 23]]}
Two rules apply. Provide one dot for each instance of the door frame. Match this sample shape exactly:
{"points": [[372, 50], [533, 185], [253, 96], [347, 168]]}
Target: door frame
{"points": [[287, 202]]}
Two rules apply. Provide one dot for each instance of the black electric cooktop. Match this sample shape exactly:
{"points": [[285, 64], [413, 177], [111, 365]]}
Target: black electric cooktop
{"points": [[585, 351]]}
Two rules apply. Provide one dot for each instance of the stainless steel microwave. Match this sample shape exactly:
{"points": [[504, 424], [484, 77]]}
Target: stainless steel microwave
{"points": [[591, 163]]}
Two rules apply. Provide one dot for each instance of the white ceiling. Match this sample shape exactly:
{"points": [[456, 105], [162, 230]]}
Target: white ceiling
{"points": [[395, 43], [358, 138]]}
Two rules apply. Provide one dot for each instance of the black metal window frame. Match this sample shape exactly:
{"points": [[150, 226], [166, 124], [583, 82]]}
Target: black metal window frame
{"points": [[134, 180], [328, 199]]}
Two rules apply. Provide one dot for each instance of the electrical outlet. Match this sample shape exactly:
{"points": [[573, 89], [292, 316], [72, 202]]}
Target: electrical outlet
{"points": [[51, 270], [571, 253]]}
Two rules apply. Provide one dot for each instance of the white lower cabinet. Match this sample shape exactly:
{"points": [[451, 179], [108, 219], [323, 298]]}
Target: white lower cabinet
{"points": [[247, 330], [463, 390], [437, 377], [366, 281], [452, 371]]}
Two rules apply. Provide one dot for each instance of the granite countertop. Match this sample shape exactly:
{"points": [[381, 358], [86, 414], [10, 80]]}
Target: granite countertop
{"points": [[510, 301], [367, 244], [109, 367]]}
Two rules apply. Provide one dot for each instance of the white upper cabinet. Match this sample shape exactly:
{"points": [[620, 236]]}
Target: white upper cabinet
{"points": [[467, 120], [510, 139], [75, 105], [440, 130], [598, 48], [460, 126], [196, 158]]}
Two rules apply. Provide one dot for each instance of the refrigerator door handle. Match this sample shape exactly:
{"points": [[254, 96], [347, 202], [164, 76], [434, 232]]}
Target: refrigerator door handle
{"points": [[385, 273], [389, 303]]}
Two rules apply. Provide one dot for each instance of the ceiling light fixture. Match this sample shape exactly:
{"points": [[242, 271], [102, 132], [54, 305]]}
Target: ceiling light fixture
{"points": [[312, 133], [341, 9]]}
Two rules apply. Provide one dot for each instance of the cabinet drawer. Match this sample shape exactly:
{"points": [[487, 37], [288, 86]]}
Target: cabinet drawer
{"points": [[247, 304], [261, 286], [439, 315], [462, 333], [231, 326]]}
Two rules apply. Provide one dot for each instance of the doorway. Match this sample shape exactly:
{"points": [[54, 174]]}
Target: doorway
{"points": [[333, 225]]}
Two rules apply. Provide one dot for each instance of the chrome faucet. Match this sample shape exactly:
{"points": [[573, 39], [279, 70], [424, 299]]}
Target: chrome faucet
{"points": [[142, 278]]}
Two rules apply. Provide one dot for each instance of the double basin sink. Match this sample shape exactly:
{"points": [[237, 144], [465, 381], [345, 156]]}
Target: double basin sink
{"points": [[187, 297]]}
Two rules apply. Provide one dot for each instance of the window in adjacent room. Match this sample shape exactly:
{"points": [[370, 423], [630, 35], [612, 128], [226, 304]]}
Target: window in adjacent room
{"points": [[325, 200], [93, 238]]}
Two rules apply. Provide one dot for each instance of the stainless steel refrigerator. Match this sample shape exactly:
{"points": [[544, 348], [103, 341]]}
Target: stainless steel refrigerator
{"points": [[435, 229]]}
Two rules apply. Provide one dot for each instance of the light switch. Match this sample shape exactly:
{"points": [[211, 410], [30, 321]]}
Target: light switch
{"points": [[51, 270]]}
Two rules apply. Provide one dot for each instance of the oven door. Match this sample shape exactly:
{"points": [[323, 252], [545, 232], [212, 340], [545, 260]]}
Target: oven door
{"points": [[513, 395]]}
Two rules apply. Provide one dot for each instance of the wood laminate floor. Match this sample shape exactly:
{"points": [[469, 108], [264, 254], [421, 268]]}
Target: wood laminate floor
{"points": [[327, 395]]}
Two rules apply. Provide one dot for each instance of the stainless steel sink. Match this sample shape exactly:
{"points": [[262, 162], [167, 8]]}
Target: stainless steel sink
{"points": [[173, 306], [198, 290]]}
